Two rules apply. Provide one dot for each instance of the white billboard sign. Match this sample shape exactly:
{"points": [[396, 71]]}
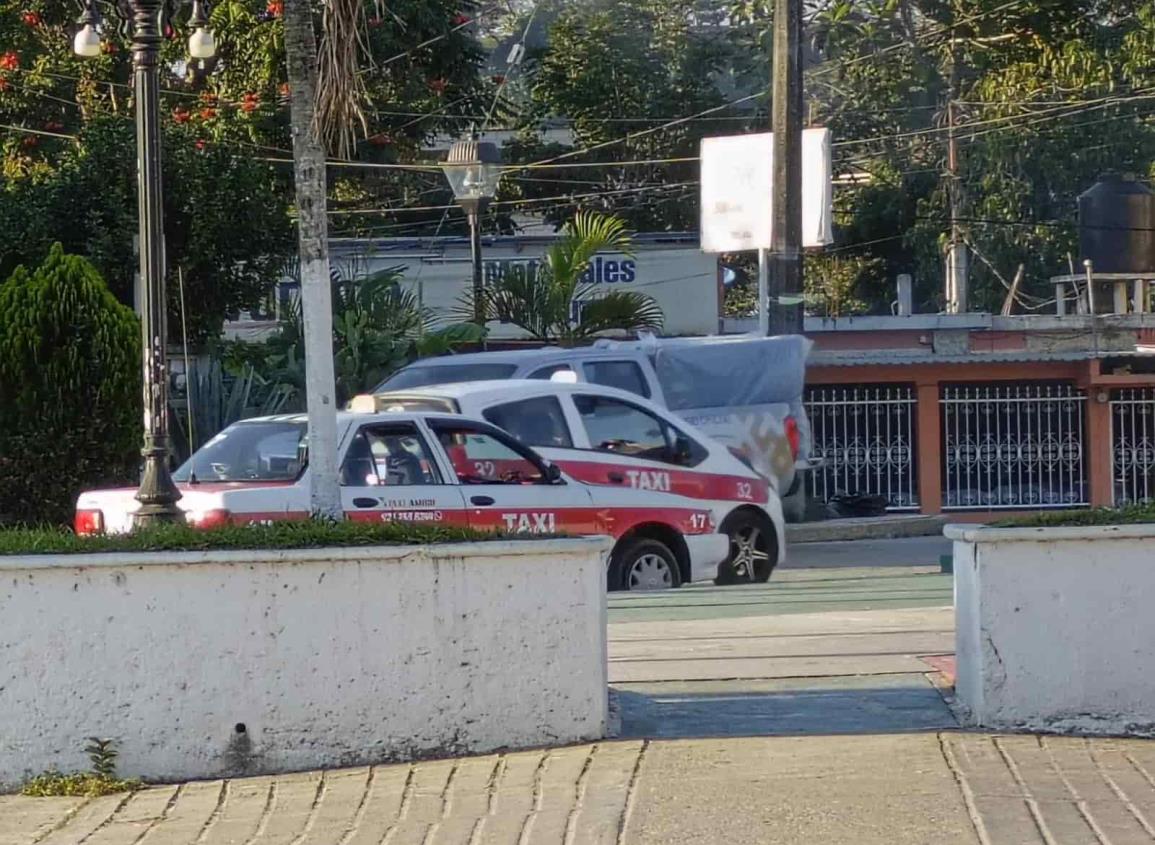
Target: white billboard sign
{"points": [[737, 173]]}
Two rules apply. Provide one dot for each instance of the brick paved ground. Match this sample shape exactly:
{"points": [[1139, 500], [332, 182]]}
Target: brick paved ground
{"points": [[940, 788]]}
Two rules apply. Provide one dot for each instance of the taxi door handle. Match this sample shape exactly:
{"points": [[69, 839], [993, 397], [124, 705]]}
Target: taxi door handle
{"points": [[481, 500], [617, 478], [365, 503]]}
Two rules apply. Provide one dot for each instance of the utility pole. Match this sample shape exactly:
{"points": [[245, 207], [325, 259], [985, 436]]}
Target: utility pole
{"points": [[313, 243], [957, 257], [784, 262]]}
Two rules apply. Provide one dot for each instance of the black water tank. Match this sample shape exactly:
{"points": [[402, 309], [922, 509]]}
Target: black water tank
{"points": [[1117, 226]]}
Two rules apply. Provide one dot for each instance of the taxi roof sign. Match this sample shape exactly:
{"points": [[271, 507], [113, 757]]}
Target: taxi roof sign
{"points": [[365, 403]]}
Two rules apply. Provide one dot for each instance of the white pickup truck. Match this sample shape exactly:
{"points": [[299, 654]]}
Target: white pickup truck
{"points": [[744, 391]]}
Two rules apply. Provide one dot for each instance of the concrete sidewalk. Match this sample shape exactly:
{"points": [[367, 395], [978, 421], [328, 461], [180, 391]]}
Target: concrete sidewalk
{"points": [[941, 788]]}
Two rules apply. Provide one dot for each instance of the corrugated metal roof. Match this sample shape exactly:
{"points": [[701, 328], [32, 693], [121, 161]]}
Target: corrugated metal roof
{"points": [[874, 357]]}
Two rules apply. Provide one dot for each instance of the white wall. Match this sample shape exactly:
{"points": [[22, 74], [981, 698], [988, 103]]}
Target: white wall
{"points": [[328, 657], [1055, 628]]}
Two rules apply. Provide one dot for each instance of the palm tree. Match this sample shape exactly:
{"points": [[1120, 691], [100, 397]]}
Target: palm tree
{"points": [[555, 305]]}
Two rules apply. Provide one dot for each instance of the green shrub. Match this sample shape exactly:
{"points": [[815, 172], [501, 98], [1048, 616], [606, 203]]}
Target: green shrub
{"points": [[1129, 515], [304, 534], [70, 389], [102, 780]]}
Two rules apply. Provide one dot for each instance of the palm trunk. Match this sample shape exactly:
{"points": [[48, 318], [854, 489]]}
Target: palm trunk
{"points": [[316, 287]]}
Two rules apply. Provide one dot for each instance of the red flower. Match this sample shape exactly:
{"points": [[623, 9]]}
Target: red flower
{"points": [[200, 144], [208, 113], [283, 90], [32, 18], [169, 32], [109, 47], [461, 19], [10, 61], [29, 141], [250, 102], [181, 115], [276, 8], [437, 86]]}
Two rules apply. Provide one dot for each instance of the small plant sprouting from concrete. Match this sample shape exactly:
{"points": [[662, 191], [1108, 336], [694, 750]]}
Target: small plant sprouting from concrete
{"points": [[101, 780]]}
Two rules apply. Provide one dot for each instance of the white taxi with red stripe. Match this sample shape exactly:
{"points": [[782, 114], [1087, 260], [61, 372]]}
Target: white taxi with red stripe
{"points": [[437, 469], [605, 436]]}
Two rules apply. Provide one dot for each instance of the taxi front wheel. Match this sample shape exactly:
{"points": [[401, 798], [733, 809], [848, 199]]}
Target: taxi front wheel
{"points": [[643, 564]]}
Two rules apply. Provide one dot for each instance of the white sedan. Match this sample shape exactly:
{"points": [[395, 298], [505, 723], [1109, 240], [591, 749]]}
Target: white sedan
{"points": [[435, 469], [605, 436]]}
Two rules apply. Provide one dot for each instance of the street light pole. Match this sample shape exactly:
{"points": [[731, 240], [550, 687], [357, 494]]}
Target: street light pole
{"points": [[158, 494], [473, 169], [474, 207]]}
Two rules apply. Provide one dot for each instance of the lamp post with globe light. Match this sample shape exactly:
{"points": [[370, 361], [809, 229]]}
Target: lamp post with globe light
{"points": [[473, 169], [146, 19]]}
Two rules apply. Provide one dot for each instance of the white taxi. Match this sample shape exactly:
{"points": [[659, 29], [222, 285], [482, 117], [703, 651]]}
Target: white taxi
{"points": [[606, 436], [436, 469]]}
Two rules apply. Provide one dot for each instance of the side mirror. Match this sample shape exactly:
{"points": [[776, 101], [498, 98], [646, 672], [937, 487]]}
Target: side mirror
{"points": [[552, 473], [683, 451]]}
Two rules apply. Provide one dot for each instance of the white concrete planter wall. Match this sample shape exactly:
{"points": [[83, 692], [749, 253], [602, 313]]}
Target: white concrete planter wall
{"points": [[1055, 628], [214, 663]]}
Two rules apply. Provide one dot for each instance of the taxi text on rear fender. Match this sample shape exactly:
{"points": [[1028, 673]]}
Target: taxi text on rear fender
{"points": [[645, 479], [530, 523]]}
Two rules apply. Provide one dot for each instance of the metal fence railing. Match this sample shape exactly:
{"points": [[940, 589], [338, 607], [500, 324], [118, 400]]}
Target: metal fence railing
{"points": [[1133, 444], [1013, 445], [865, 436]]}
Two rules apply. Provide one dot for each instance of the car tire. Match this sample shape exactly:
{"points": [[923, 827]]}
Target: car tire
{"points": [[643, 564], [753, 549]]}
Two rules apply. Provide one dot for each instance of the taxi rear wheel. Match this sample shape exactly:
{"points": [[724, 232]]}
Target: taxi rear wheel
{"points": [[753, 549], [643, 564]]}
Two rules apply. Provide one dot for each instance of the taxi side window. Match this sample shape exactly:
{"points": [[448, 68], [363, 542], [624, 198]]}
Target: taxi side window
{"points": [[483, 457], [625, 429], [535, 422], [624, 375], [388, 456]]}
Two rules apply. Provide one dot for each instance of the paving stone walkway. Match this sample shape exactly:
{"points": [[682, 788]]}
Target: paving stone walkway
{"points": [[940, 788]]}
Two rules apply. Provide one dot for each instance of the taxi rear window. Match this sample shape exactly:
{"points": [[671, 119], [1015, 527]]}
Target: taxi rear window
{"points": [[249, 451]]}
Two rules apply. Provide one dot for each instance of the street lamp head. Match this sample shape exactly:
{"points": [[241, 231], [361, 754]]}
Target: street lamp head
{"points": [[87, 41], [473, 169], [201, 44]]}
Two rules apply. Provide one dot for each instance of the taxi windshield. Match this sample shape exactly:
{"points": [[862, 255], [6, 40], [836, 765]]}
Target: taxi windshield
{"points": [[249, 451]]}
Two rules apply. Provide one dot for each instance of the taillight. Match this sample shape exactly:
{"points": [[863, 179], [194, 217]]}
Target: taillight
{"points": [[88, 522], [793, 436], [211, 519]]}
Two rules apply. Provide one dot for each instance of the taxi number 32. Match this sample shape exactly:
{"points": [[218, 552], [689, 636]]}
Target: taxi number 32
{"points": [[745, 491], [530, 523]]}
